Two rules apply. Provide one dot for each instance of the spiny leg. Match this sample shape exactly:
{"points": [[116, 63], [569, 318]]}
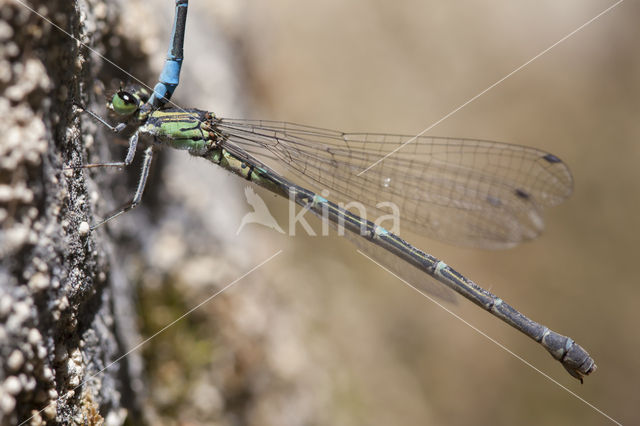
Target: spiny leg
{"points": [[133, 144], [115, 129], [131, 151], [144, 174]]}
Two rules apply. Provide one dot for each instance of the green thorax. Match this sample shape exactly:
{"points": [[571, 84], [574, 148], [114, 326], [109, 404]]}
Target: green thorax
{"points": [[191, 129], [195, 130]]}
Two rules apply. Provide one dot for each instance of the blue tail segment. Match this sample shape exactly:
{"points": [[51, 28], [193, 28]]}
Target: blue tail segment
{"points": [[170, 75]]}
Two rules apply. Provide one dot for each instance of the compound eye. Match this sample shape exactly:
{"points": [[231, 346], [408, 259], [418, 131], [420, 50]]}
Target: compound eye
{"points": [[124, 103]]}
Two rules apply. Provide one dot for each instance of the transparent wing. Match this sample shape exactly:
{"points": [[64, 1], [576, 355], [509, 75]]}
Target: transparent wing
{"points": [[465, 191]]}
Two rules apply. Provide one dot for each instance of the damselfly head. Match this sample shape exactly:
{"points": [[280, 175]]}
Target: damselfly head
{"points": [[124, 103]]}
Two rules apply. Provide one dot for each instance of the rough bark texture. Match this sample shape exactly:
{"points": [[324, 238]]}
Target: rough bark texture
{"points": [[58, 331], [67, 296]]}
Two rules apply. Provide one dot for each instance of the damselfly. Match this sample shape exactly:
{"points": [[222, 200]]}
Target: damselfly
{"points": [[470, 192]]}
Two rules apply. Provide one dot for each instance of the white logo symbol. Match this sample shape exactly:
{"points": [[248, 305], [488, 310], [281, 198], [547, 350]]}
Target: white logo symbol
{"points": [[260, 214]]}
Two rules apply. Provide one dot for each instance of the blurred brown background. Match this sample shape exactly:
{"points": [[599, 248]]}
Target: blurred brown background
{"points": [[353, 344]]}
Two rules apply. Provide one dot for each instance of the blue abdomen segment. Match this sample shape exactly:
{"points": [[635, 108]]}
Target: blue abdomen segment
{"points": [[170, 75]]}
